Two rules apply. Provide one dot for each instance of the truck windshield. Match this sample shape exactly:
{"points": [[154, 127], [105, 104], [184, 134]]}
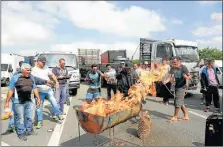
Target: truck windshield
{"points": [[187, 53], [53, 59], [4, 67], [164, 50]]}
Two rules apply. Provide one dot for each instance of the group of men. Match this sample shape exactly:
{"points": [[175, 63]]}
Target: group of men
{"points": [[174, 82], [45, 84]]}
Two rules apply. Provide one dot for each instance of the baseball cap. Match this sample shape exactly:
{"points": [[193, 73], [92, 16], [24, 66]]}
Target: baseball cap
{"points": [[41, 58], [122, 62]]}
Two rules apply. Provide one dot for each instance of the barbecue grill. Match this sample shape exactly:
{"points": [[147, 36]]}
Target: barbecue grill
{"points": [[95, 124]]}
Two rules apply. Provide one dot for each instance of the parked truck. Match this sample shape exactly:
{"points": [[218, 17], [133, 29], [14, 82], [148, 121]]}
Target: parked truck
{"points": [[9, 65], [186, 50], [71, 65], [112, 57]]}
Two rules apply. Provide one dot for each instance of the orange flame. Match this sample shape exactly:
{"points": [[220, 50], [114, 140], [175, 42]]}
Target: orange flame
{"points": [[138, 92]]}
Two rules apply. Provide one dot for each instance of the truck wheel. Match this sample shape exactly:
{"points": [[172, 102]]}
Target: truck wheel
{"points": [[7, 82], [73, 92]]}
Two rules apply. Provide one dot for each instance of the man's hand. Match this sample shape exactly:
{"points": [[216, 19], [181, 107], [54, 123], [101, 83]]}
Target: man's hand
{"points": [[57, 85], [50, 83], [38, 102], [6, 105]]}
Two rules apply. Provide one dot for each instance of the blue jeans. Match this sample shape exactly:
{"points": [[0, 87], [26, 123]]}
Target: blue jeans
{"points": [[53, 102], [61, 95], [22, 110], [12, 119]]}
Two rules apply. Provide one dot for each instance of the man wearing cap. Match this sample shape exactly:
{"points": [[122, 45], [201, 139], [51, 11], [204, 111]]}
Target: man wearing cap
{"points": [[210, 83], [45, 91], [23, 84]]}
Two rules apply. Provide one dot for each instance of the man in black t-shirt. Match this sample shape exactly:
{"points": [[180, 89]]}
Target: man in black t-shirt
{"points": [[23, 84], [180, 76]]}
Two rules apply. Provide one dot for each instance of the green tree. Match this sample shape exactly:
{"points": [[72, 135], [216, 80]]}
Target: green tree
{"points": [[213, 53], [136, 61]]}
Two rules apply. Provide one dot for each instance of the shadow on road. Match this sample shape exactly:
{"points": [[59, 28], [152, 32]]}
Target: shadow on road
{"points": [[197, 144], [86, 140], [132, 131], [158, 114]]}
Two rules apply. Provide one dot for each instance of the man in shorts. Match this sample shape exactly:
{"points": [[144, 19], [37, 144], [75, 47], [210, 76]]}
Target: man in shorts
{"points": [[179, 77]]}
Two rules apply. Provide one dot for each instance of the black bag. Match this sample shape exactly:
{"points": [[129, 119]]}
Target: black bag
{"points": [[213, 132]]}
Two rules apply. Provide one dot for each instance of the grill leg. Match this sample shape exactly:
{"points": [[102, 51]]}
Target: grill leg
{"points": [[79, 133]]}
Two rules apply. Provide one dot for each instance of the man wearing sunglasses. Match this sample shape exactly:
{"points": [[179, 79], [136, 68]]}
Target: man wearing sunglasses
{"points": [[45, 91]]}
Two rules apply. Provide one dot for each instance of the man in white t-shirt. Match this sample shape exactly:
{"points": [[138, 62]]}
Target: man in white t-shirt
{"points": [[46, 92]]}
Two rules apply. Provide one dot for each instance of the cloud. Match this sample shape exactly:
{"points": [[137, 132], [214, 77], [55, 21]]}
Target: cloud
{"points": [[107, 17], [177, 21], [129, 46], [216, 16], [22, 25], [212, 42], [208, 31], [212, 33]]}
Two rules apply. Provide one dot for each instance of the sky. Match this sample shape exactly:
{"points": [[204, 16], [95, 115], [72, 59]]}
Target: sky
{"points": [[29, 27]]}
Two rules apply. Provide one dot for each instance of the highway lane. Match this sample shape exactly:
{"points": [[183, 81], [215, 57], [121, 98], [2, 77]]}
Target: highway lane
{"points": [[182, 133]]}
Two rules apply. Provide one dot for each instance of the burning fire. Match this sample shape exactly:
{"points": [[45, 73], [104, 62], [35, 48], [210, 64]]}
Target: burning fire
{"points": [[138, 92]]}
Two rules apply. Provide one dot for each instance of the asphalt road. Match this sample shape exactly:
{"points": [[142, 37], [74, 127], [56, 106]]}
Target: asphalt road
{"points": [[182, 133]]}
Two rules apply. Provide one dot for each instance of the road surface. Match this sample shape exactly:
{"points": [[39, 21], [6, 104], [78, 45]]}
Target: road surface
{"points": [[182, 133]]}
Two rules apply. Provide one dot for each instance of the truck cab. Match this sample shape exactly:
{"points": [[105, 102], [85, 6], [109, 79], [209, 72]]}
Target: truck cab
{"points": [[186, 50], [71, 64]]}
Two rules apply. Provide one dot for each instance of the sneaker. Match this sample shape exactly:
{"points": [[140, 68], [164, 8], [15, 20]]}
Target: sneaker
{"points": [[54, 117], [60, 117], [218, 110], [39, 125], [207, 110], [8, 131], [22, 137]]}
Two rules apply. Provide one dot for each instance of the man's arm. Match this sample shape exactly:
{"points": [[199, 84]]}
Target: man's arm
{"points": [[36, 92], [39, 81], [186, 73], [10, 92]]}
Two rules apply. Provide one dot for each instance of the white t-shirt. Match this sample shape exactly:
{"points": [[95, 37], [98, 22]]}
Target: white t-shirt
{"points": [[43, 74]]}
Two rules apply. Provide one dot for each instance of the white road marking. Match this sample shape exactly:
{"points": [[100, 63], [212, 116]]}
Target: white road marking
{"points": [[55, 138], [4, 144], [197, 114]]}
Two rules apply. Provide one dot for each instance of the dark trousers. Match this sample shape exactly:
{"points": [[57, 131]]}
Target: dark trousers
{"points": [[109, 88], [164, 92], [213, 91]]}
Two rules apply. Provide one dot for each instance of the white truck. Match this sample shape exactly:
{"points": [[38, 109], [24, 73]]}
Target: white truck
{"points": [[9, 65], [187, 50], [71, 63]]}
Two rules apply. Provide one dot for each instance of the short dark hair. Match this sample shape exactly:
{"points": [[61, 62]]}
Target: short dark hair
{"points": [[176, 58], [61, 59], [93, 65], [20, 63], [108, 65]]}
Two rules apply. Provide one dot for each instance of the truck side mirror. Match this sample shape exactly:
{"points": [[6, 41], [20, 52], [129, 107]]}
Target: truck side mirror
{"points": [[10, 70]]}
